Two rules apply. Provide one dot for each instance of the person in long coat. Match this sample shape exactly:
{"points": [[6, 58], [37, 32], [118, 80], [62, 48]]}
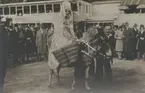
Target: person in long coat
{"points": [[3, 55], [134, 40], [28, 41], [141, 43], [111, 38], [21, 44], [119, 42], [41, 42], [33, 46], [14, 44], [104, 70], [127, 44]]}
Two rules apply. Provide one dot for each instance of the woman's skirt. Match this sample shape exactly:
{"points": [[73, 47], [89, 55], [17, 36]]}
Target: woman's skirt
{"points": [[119, 46], [58, 41]]}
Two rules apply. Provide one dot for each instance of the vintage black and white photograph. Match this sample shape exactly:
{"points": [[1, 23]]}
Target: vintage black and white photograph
{"points": [[72, 46]]}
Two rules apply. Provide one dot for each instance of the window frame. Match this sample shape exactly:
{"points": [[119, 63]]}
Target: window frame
{"points": [[6, 13], [39, 11], [11, 13], [74, 3], [29, 7], [19, 10], [48, 11], [87, 9], [57, 7], [2, 11]]}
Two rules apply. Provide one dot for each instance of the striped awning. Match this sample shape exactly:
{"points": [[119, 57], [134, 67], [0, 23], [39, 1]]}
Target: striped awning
{"points": [[142, 2], [141, 6], [132, 2]]}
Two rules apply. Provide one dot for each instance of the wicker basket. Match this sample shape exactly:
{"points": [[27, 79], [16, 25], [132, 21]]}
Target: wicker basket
{"points": [[67, 55]]}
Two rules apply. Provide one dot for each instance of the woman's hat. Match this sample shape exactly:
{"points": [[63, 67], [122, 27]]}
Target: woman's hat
{"points": [[1, 16], [135, 25], [142, 25]]}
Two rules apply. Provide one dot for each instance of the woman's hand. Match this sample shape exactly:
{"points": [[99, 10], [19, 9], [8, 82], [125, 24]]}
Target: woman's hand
{"points": [[142, 38]]}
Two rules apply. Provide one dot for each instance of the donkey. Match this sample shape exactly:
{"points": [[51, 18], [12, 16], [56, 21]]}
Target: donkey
{"points": [[82, 63], [87, 54]]}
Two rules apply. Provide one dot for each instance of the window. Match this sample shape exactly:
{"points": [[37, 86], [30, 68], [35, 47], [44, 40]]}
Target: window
{"points": [[19, 11], [1, 11], [33, 9], [87, 9], [48, 8], [41, 9], [80, 7], [56, 7], [26, 10], [13, 10], [84, 8], [6, 10], [143, 10], [74, 7]]}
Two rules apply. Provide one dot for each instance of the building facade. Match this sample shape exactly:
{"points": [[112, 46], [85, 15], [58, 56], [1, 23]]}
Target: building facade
{"points": [[132, 11], [104, 11]]}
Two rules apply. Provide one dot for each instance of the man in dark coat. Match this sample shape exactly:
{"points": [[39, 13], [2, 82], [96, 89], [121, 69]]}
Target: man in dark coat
{"points": [[14, 44], [135, 34], [127, 42], [111, 37], [21, 44], [3, 55], [28, 41], [103, 64]]}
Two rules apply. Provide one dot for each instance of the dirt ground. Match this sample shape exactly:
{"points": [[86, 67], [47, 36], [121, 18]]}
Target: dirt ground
{"points": [[128, 77]]}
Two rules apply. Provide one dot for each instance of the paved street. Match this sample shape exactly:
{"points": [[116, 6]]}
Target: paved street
{"points": [[128, 77]]}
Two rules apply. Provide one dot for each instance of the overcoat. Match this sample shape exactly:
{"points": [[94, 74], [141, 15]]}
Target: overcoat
{"points": [[119, 41], [134, 39], [21, 41], [41, 41], [141, 43], [127, 41], [28, 40], [3, 55]]}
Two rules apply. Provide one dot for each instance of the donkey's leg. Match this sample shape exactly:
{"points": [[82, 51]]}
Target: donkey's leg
{"points": [[50, 78], [73, 84], [57, 74], [86, 78]]}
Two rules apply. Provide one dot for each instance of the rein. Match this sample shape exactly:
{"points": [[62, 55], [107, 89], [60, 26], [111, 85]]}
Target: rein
{"points": [[81, 41]]}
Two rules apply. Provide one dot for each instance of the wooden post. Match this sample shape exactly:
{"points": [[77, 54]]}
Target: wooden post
{"points": [[140, 10]]}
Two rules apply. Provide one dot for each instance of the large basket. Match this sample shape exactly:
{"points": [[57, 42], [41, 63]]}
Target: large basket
{"points": [[67, 55]]}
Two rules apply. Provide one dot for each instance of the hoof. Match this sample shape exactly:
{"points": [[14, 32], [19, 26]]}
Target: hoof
{"points": [[87, 87], [49, 86], [89, 90], [58, 81], [72, 88]]}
